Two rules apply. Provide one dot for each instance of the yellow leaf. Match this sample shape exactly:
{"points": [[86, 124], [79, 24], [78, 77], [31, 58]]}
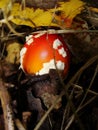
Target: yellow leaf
{"points": [[4, 3], [30, 17], [13, 52], [62, 16], [69, 10]]}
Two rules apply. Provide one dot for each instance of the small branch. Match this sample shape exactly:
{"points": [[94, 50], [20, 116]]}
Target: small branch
{"points": [[90, 62], [96, 71], [80, 87], [88, 102], [7, 110], [19, 125], [65, 115], [70, 122], [71, 119], [6, 19], [47, 113], [53, 31]]}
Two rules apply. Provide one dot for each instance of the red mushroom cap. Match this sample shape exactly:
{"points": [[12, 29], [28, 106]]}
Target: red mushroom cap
{"points": [[43, 52]]}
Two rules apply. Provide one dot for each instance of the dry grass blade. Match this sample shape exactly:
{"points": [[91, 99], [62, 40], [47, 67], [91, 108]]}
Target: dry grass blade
{"points": [[19, 125], [70, 122], [81, 106], [90, 62], [81, 88], [96, 71], [65, 115], [52, 31], [71, 119], [85, 66], [47, 113], [85, 104]]}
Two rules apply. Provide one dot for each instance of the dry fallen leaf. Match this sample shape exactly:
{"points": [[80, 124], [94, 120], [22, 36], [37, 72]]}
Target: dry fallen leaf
{"points": [[61, 15], [4, 3], [13, 50]]}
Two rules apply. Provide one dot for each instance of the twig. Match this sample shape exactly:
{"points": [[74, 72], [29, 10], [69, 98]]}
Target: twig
{"points": [[73, 115], [70, 122], [88, 102], [90, 62], [53, 31], [96, 94], [65, 115], [96, 71], [47, 113], [7, 110], [85, 66], [9, 25], [81, 88], [19, 125]]}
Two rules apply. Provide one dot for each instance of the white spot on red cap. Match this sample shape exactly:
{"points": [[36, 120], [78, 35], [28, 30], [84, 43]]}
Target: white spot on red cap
{"points": [[29, 39], [60, 65], [62, 52], [52, 64], [56, 43], [22, 53]]}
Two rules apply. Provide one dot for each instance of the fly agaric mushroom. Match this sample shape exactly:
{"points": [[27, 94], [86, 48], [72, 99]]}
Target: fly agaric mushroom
{"points": [[43, 52]]}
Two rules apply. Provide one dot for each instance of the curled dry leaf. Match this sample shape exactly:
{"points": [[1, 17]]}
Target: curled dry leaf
{"points": [[13, 52], [26, 116], [93, 16], [49, 99]]}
